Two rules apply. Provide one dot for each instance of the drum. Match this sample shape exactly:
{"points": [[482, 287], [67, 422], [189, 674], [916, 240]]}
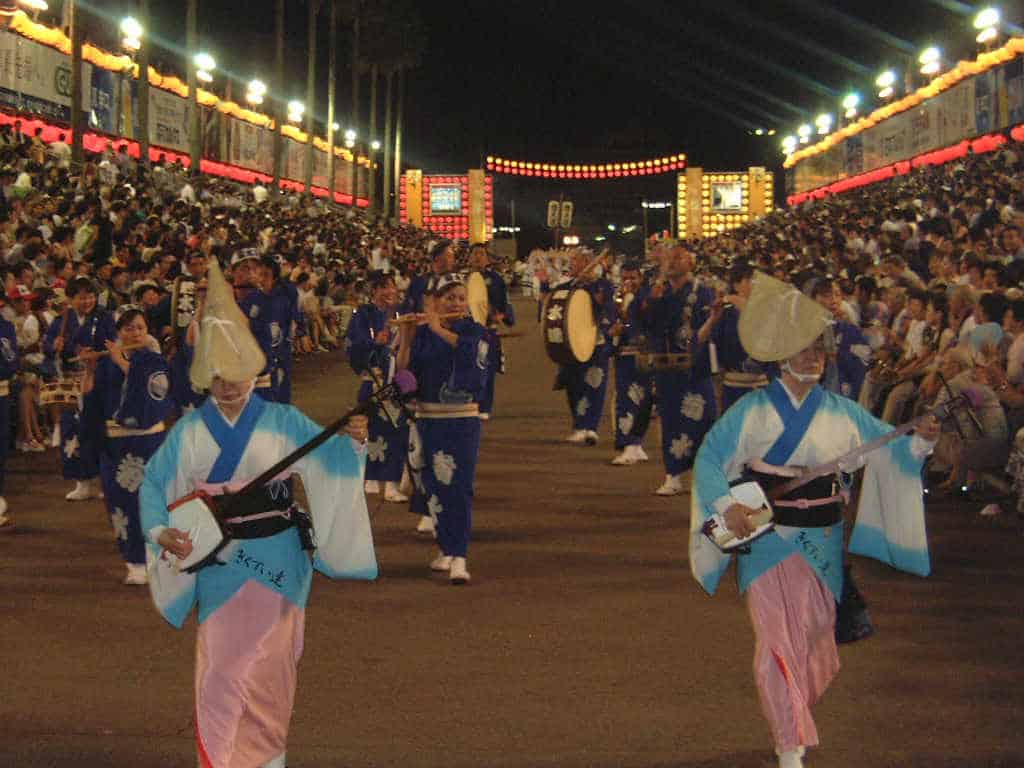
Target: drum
{"points": [[63, 394], [570, 331], [476, 297]]}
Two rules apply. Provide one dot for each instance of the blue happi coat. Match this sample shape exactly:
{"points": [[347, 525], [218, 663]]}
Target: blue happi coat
{"points": [[845, 375], [388, 425], [80, 437], [633, 390], [686, 402], [284, 316], [133, 409], [733, 357], [890, 523], [443, 451]]}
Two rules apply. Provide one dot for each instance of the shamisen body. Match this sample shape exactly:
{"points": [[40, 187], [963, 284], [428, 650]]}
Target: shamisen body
{"points": [[792, 576], [251, 605]]}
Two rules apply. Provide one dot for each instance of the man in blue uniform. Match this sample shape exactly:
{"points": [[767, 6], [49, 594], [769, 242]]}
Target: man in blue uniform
{"points": [[246, 274], [88, 328], [672, 313], [371, 344], [285, 319], [586, 383], [633, 389], [741, 372], [442, 261]]}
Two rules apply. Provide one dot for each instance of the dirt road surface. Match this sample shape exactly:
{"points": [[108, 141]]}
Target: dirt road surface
{"points": [[582, 641]]}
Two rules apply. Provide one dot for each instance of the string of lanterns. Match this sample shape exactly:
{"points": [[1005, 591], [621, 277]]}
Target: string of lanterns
{"points": [[55, 38], [602, 171]]}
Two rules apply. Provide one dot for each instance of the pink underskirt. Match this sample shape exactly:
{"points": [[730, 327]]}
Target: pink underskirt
{"points": [[795, 657], [247, 656]]}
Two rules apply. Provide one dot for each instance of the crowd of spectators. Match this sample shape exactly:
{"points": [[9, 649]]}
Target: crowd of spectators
{"points": [[132, 230], [930, 267]]}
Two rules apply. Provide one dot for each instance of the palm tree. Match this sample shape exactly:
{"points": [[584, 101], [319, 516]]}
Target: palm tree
{"points": [[394, 43], [314, 10]]}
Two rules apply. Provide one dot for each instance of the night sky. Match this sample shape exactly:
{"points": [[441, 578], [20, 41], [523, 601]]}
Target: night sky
{"points": [[587, 82]]}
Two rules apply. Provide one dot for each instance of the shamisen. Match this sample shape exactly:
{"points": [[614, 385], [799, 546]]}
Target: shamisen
{"points": [[792, 575], [251, 604]]}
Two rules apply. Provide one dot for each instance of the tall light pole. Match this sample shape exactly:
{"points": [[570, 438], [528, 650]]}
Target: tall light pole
{"points": [[398, 135], [77, 116], [279, 96], [314, 9], [143, 89], [332, 86], [371, 185], [191, 51], [354, 169], [388, 147]]}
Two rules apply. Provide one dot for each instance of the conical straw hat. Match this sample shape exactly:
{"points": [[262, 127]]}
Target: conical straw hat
{"points": [[226, 347], [779, 321]]}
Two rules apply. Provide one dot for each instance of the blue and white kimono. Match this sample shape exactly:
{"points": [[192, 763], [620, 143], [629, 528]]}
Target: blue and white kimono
{"points": [[634, 390], [388, 427], [587, 383], [768, 425], [8, 372], [203, 450], [445, 440], [686, 399], [742, 372], [256, 306], [133, 408], [846, 375], [252, 604], [80, 436]]}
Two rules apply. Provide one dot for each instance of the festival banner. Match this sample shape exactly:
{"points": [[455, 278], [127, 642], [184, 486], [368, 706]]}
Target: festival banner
{"points": [[1013, 77], [985, 113], [35, 78], [168, 119], [923, 133], [854, 155], [250, 146], [105, 98]]}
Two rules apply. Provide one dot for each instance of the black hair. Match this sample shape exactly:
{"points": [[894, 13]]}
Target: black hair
{"points": [[994, 306], [128, 315], [79, 285]]}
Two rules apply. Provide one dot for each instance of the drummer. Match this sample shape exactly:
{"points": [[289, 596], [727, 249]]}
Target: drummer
{"points": [[86, 328], [671, 315], [499, 310], [633, 389], [586, 382]]}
